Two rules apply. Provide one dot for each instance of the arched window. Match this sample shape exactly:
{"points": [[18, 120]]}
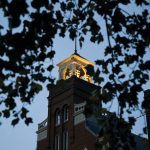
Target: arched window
{"points": [[65, 113], [57, 117], [65, 140], [57, 142]]}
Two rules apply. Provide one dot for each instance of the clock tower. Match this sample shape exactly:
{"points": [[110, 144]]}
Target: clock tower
{"points": [[67, 127]]}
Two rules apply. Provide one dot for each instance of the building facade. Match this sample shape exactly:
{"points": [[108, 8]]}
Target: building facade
{"points": [[67, 127]]}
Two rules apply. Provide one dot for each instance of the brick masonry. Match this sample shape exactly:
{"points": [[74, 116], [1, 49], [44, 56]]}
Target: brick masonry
{"points": [[68, 92]]}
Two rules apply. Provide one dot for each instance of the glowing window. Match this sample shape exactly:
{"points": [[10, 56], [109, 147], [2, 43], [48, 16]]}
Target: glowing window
{"points": [[65, 113], [57, 118]]}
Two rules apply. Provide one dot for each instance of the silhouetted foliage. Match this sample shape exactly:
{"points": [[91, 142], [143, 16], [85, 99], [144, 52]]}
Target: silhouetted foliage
{"points": [[27, 42]]}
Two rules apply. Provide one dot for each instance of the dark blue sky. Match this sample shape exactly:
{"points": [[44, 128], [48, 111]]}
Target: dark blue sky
{"points": [[24, 137]]}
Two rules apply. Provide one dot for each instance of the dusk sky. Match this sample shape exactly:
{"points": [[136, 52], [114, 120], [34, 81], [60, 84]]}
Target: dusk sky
{"points": [[22, 137]]}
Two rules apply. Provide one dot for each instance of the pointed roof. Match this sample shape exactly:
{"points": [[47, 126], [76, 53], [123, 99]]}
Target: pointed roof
{"points": [[78, 57]]}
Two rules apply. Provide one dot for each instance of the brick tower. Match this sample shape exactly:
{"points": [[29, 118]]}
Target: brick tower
{"points": [[66, 127]]}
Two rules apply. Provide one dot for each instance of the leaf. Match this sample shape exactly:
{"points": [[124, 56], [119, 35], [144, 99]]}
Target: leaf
{"points": [[62, 31], [140, 2], [35, 87], [121, 76], [72, 34], [123, 40], [81, 40], [140, 48], [50, 68], [132, 120], [10, 102], [28, 121], [116, 69], [16, 9], [99, 62], [122, 99], [37, 68], [110, 87], [129, 111], [6, 113], [137, 74], [136, 88], [147, 65], [111, 76], [1, 27], [41, 57], [119, 87], [39, 77], [108, 50], [97, 78], [90, 70], [70, 5], [63, 6], [81, 3], [93, 39], [125, 2], [119, 16], [24, 112], [59, 16], [38, 3], [106, 96], [15, 121], [145, 76], [55, 1], [51, 54], [27, 99]]}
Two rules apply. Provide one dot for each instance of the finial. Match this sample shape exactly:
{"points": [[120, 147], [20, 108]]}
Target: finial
{"points": [[75, 50]]}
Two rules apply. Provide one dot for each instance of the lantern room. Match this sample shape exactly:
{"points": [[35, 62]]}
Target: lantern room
{"points": [[75, 65]]}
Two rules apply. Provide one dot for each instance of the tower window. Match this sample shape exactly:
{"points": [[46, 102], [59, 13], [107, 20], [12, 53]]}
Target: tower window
{"points": [[77, 73], [65, 113], [57, 142], [65, 140], [57, 118]]}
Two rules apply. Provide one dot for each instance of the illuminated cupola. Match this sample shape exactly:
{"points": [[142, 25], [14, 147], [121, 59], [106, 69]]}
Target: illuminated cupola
{"points": [[75, 65]]}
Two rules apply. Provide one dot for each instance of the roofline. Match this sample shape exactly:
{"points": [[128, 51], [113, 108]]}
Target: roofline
{"points": [[77, 57]]}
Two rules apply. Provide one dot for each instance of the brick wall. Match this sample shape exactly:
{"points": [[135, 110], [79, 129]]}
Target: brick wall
{"points": [[83, 138], [68, 92], [42, 145]]}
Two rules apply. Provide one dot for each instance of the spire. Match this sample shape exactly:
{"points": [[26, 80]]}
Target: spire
{"points": [[75, 50]]}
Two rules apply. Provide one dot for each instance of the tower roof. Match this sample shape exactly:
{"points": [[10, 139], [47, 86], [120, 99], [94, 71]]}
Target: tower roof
{"points": [[75, 65], [78, 57]]}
